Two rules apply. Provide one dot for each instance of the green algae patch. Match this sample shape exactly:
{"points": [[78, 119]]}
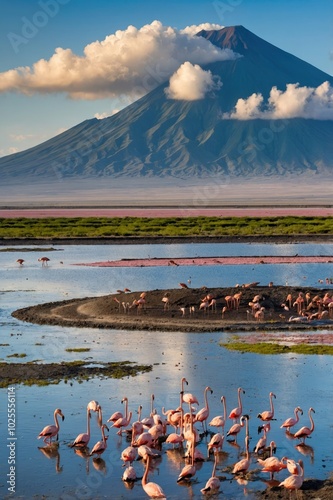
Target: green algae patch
{"points": [[77, 349], [273, 348], [54, 373]]}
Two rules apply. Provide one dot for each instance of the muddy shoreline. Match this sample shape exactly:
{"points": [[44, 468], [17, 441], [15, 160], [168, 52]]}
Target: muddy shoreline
{"points": [[286, 239]]}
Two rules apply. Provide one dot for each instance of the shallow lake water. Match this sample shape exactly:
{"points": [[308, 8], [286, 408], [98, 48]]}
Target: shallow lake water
{"points": [[296, 380]]}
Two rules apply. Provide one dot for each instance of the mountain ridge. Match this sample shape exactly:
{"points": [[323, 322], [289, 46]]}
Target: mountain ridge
{"points": [[159, 137]]}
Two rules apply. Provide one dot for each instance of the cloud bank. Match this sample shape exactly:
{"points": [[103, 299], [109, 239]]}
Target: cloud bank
{"points": [[131, 62], [190, 83], [294, 102]]}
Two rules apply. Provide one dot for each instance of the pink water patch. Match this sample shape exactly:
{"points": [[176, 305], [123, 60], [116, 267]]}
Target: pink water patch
{"points": [[169, 212], [210, 261]]}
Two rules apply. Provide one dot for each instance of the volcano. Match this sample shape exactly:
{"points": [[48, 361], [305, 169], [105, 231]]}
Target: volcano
{"points": [[157, 137]]}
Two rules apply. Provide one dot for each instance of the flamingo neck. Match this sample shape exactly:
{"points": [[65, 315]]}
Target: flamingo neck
{"points": [[311, 420], [145, 475], [224, 410], [56, 420], [88, 423], [272, 407], [240, 401]]}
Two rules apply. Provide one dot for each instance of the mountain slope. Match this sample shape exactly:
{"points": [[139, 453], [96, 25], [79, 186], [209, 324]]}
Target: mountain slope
{"points": [[157, 137]]}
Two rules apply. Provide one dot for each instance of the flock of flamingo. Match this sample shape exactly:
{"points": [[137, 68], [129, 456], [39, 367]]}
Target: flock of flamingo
{"points": [[43, 260], [148, 436]]}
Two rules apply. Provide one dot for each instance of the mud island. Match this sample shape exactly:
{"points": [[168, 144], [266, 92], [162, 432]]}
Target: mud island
{"points": [[249, 307]]}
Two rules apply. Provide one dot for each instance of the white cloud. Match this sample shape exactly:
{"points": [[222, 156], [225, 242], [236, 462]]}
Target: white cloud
{"points": [[190, 83], [131, 62], [294, 102], [21, 137], [194, 29]]}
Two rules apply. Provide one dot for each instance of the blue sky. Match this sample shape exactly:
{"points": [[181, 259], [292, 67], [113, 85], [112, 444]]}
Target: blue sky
{"points": [[32, 30]]}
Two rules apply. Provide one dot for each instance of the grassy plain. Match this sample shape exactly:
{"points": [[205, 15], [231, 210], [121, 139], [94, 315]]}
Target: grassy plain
{"points": [[102, 227]]}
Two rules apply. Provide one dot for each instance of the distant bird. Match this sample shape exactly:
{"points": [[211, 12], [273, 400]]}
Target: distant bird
{"points": [[183, 285], [51, 430], [100, 446], [268, 415], [43, 260], [20, 261], [290, 422], [305, 432]]}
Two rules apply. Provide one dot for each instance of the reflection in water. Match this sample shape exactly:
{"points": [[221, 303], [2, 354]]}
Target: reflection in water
{"points": [[84, 453], [99, 464], [306, 450], [52, 452]]}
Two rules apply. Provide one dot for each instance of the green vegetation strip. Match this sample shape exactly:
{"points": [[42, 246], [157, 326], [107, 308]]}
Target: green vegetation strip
{"points": [[269, 348], [77, 349], [53, 373], [99, 227]]}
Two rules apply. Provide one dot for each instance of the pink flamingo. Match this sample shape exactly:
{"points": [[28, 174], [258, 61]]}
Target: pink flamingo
{"points": [[96, 407], [100, 446], [83, 439], [43, 260], [236, 412], [137, 426], [145, 452], [145, 438], [295, 481], [20, 261], [291, 465], [236, 428], [215, 443], [149, 421], [213, 484], [51, 430], [189, 471], [261, 444], [190, 399], [242, 466], [129, 474], [122, 422], [220, 420], [153, 490], [203, 414], [268, 415], [305, 432], [290, 422], [272, 464], [174, 438], [128, 455], [118, 414]]}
